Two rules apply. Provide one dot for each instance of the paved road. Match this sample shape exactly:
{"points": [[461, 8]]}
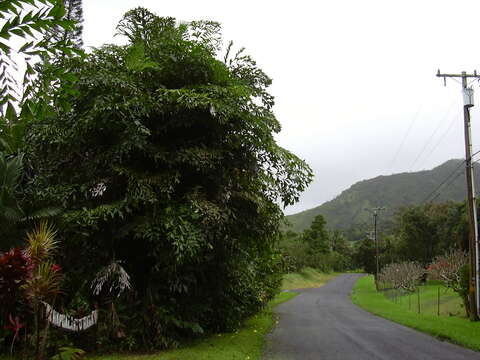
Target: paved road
{"points": [[323, 324]]}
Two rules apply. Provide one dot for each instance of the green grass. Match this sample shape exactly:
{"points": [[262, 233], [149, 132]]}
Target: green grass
{"points": [[246, 343], [456, 329], [306, 278], [450, 303]]}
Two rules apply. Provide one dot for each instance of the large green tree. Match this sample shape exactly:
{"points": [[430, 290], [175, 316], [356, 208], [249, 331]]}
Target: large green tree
{"points": [[317, 236], [23, 41], [429, 230], [167, 161]]}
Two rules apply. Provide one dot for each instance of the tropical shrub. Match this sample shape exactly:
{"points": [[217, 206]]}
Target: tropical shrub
{"points": [[402, 276], [450, 269], [29, 277], [15, 270], [446, 268], [167, 162]]}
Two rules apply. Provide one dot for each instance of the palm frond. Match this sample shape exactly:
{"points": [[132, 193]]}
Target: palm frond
{"points": [[10, 213], [43, 213], [114, 276], [10, 171]]}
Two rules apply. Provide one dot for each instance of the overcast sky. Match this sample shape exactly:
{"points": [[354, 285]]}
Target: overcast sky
{"points": [[354, 81]]}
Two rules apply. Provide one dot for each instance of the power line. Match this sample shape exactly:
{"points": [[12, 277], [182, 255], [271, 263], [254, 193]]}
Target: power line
{"points": [[405, 137], [443, 182], [450, 126], [448, 177], [434, 133]]}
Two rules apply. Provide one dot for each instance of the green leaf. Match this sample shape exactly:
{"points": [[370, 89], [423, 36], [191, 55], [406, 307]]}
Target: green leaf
{"points": [[11, 114], [18, 32], [26, 46], [6, 49]]}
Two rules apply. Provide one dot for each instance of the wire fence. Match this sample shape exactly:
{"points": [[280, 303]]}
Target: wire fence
{"points": [[432, 299]]}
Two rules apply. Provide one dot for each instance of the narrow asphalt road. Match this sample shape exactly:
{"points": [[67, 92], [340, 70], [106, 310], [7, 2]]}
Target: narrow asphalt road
{"points": [[323, 324]]}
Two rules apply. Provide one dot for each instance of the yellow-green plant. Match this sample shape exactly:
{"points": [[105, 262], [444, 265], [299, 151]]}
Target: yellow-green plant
{"points": [[41, 243], [44, 283]]}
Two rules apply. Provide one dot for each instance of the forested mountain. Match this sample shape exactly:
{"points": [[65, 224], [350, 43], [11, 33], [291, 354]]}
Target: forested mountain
{"points": [[346, 211]]}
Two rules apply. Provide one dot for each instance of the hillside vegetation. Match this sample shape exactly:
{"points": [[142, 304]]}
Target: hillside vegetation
{"points": [[394, 191]]}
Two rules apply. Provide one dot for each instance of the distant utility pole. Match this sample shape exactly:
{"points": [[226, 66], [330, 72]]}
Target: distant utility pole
{"points": [[473, 291], [374, 212]]}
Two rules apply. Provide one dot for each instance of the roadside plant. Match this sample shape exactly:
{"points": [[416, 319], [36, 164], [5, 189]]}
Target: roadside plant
{"points": [[44, 283], [113, 278], [41, 243], [401, 276], [109, 283], [10, 173], [449, 269], [446, 268], [25, 22], [168, 162], [15, 270], [15, 325], [69, 353]]}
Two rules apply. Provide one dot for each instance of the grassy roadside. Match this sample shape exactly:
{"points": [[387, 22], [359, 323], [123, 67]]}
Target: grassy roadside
{"points": [[306, 278], [246, 344], [434, 298], [455, 329]]}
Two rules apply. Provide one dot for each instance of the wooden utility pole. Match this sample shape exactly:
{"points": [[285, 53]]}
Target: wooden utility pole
{"points": [[375, 211], [473, 291]]}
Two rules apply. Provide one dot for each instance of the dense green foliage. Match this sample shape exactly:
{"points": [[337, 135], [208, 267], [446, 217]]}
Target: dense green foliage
{"points": [[419, 233], [246, 343], [429, 230], [316, 248], [346, 211], [165, 160], [364, 255], [25, 24], [317, 236], [73, 12]]}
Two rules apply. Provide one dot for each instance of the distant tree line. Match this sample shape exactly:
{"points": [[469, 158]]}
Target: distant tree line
{"points": [[419, 233], [416, 233], [316, 247]]}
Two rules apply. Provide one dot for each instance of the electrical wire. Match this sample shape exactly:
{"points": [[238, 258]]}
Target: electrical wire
{"points": [[434, 133], [450, 126], [451, 180], [405, 137], [443, 182]]}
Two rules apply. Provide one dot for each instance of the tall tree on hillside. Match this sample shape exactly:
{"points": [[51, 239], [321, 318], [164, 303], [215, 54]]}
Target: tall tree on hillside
{"points": [[317, 236]]}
